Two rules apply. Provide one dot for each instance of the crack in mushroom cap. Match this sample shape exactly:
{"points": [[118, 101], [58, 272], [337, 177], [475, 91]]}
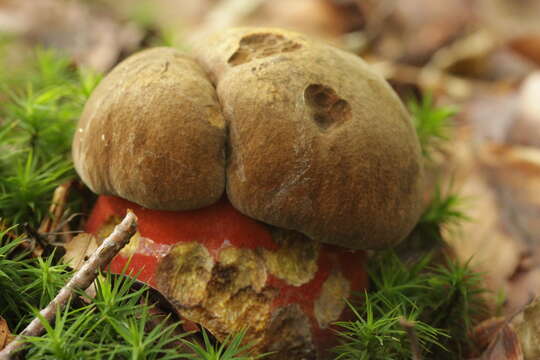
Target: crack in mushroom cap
{"points": [[316, 141]]}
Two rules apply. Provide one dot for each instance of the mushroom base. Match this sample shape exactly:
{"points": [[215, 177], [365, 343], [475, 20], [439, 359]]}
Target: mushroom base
{"points": [[229, 272]]}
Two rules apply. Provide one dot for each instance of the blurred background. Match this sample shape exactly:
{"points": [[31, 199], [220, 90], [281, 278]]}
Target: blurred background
{"points": [[481, 57]]}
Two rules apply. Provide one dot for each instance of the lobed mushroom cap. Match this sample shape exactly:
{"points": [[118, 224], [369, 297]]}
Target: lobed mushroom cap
{"points": [[153, 133], [319, 143]]}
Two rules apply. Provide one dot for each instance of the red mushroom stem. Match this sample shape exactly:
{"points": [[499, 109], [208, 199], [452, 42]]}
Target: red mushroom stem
{"points": [[315, 291]]}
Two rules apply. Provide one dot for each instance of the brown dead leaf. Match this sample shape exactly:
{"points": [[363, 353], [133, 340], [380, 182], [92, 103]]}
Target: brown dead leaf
{"points": [[501, 185], [496, 339], [508, 115], [528, 46], [490, 116], [528, 330], [466, 55], [505, 346], [91, 38], [526, 127], [483, 334], [326, 20], [187, 21], [415, 29], [509, 19], [505, 65], [514, 23], [501, 182], [513, 337], [79, 249], [484, 239], [5, 334], [514, 175]]}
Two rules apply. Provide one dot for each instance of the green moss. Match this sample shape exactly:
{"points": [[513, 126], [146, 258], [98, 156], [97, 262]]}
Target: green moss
{"points": [[36, 129], [432, 123]]}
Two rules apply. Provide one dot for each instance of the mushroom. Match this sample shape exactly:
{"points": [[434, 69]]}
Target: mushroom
{"points": [[259, 171]]}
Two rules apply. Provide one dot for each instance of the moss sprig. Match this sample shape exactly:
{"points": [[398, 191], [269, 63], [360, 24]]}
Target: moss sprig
{"points": [[36, 127], [376, 336], [444, 301], [432, 123], [233, 348], [114, 325], [26, 282]]}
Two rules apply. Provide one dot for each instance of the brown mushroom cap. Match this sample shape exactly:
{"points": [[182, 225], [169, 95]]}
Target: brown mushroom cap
{"points": [[153, 133], [318, 142]]}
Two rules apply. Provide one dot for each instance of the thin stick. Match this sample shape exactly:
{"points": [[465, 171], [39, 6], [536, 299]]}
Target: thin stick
{"points": [[80, 281], [415, 345]]}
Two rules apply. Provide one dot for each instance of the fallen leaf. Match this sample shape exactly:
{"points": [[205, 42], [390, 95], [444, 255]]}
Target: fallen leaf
{"points": [[483, 333], [526, 128], [528, 46], [93, 39], [528, 330], [79, 249], [483, 240], [505, 346], [412, 30], [490, 116], [514, 174], [5, 334], [509, 18], [326, 19], [500, 180]]}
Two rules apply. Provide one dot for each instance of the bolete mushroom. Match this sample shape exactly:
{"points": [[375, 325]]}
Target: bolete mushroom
{"points": [[259, 170]]}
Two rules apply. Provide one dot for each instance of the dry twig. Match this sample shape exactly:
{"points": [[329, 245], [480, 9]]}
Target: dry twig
{"points": [[80, 281]]}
